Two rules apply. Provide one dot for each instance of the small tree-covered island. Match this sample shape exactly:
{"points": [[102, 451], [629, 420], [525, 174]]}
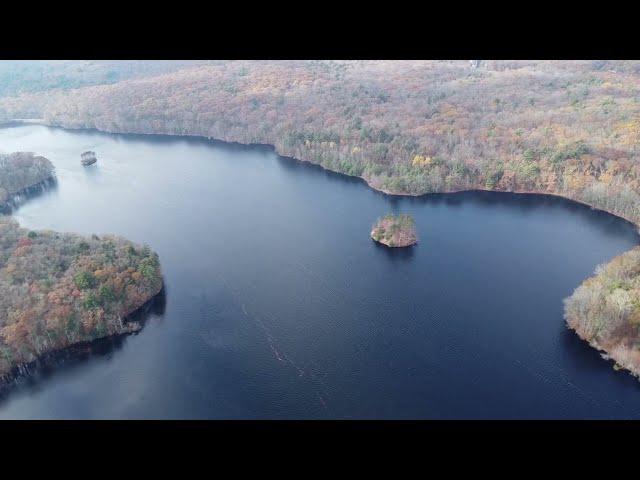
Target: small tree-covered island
{"points": [[61, 290], [395, 231]]}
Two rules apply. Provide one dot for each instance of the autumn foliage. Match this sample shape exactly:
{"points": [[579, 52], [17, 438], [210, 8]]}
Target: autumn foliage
{"points": [[605, 310], [565, 127], [570, 128], [395, 230], [60, 289]]}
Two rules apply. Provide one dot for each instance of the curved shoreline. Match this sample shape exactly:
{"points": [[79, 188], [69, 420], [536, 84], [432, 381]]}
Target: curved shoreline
{"points": [[368, 182], [381, 242], [273, 148], [36, 189], [127, 323], [131, 325]]}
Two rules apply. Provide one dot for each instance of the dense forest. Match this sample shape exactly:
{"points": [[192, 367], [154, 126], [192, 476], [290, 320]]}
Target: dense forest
{"points": [[605, 310], [21, 171], [395, 230], [61, 289], [407, 127]]}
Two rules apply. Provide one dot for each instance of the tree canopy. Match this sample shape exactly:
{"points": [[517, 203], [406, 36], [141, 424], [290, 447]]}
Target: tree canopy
{"points": [[565, 127], [395, 230], [59, 289]]}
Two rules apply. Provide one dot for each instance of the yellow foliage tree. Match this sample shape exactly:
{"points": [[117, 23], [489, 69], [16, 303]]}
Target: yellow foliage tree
{"points": [[421, 161]]}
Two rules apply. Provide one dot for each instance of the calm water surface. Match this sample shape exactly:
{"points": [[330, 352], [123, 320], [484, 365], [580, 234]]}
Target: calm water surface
{"points": [[279, 305]]}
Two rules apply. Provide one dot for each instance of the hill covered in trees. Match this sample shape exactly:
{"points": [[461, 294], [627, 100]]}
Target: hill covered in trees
{"points": [[605, 310], [24, 76], [20, 172], [58, 289], [407, 127]]}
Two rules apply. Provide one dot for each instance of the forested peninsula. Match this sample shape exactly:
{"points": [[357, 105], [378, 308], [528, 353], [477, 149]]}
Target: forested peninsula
{"points": [[60, 290], [568, 128], [605, 310]]}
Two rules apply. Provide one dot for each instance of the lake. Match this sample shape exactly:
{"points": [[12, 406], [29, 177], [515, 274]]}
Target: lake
{"points": [[278, 304]]}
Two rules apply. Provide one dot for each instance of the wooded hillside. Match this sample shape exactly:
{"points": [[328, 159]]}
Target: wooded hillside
{"points": [[570, 127]]}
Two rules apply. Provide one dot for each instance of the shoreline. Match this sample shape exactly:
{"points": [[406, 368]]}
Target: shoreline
{"points": [[14, 200], [273, 148], [409, 245], [367, 182], [607, 355], [131, 325]]}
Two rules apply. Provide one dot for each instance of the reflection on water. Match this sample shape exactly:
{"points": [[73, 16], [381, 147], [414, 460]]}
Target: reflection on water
{"points": [[395, 254], [280, 305], [48, 187], [292, 164]]}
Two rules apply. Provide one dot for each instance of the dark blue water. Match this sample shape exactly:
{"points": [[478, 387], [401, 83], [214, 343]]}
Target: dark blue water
{"points": [[279, 305]]}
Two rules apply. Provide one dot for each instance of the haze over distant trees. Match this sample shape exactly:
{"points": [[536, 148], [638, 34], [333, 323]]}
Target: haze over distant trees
{"points": [[23, 76]]}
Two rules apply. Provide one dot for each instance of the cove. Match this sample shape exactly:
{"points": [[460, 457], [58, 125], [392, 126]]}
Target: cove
{"points": [[279, 305]]}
